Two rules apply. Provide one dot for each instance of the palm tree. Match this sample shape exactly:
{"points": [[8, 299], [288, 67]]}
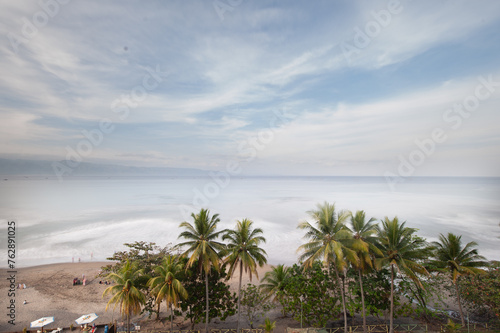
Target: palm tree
{"points": [[273, 282], [364, 243], [328, 243], [400, 249], [203, 245], [451, 256], [125, 291], [269, 325], [166, 286], [243, 249]]}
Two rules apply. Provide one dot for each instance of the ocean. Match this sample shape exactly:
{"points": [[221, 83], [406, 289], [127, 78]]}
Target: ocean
{"points": [[89, 218]]}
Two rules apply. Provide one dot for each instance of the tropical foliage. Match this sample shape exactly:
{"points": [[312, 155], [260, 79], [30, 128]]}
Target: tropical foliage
{"points": [[311, 295], [348, 264], [268, 325], [450, 256], [167, 285], [147, 256], [243, 250], [481, 293], [253, 303], [203, 247], [222, 303], [377, 292], [364, 243], [125, 292], [328, 238], [274, 282], [401, 251]]}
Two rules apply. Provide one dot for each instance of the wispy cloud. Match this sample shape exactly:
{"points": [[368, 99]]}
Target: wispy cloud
{"points": [[226, 78]]}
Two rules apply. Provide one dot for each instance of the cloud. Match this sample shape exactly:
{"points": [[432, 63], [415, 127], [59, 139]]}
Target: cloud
{"points": [[369, 133], [226, 78], [412, 30]]}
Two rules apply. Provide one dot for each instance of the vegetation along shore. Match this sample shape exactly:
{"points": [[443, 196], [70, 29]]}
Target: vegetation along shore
{"points": [[352, 269]]}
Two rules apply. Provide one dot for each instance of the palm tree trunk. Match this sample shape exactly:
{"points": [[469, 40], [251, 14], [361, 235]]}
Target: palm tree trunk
{"points": [[343, 297], [158, 311], [128, 321], [239, 296], [362, 300], [391, 319], [206, 309], [171, 317], [346, 292], [191, 318], [459, 304]]}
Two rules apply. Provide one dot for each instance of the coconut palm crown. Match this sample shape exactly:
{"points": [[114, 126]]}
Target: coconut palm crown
{"points": [[125, 292], [327, 239], [243, 248], [451, 256], [201, 240], [273, 282], [166, 285]]}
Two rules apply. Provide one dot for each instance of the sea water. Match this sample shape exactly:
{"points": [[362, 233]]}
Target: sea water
{"points": [[89, 218]]}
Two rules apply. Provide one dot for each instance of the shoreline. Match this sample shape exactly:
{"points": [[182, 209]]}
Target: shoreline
{"points": [[50, 292], [18, 268], [96, 262]]}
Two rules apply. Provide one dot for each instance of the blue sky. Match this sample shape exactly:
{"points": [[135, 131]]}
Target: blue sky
{"points": [[285, 88]]}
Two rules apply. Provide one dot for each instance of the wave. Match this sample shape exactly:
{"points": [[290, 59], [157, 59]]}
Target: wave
{"points": [[79, 219]]}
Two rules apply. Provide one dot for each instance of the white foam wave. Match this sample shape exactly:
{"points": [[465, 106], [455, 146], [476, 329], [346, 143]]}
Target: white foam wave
{"points": [[98, 222]]}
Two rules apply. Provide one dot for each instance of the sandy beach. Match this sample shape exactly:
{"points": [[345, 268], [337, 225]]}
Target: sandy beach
{"points": [[50, 292]]}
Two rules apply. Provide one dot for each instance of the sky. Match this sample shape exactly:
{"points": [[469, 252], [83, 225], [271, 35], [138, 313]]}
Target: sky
{"points": [[371, 88]]}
